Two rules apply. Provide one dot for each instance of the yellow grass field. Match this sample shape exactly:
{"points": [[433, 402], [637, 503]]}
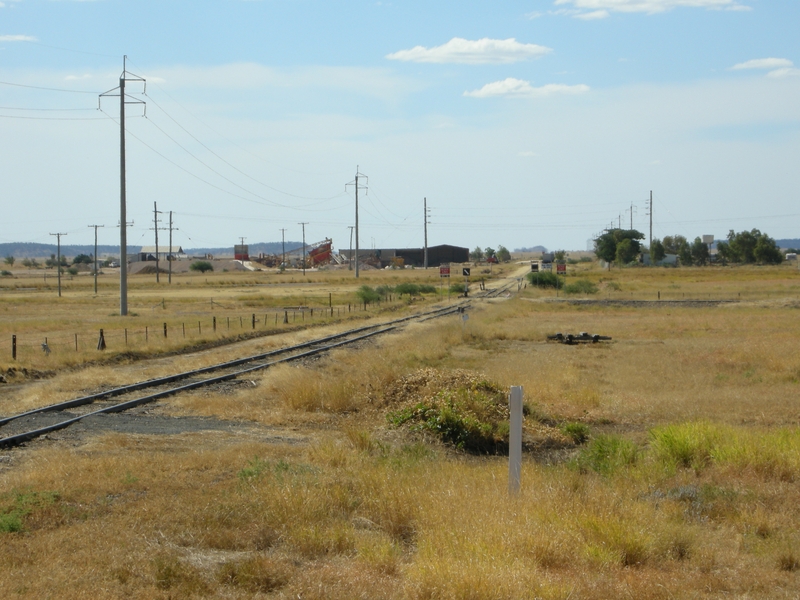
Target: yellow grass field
{"points": [[662, 464]]}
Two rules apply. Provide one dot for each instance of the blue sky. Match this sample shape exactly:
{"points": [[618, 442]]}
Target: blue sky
{"points": [[523, 123]]}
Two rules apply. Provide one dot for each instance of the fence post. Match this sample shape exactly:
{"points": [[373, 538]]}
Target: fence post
{"points": [[254, 321], [76, 342], [214, 323], [165, 330], [515, 439], [145, 333], [126, 336], [241, 323], [184, 329], [13, 347], [101, 343], [199, 330], [286, 316]]}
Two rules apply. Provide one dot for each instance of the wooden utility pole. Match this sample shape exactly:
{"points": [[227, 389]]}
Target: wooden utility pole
{"points": [[156, 212], [355, 184], [169, 257], [350, 256], [425, 205], [651, 220], [283, 247], [58, 259], [304, 247], [123, 235], [95, 256]]}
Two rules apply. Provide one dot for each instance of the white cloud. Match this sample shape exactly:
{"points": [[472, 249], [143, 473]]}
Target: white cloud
{"points": [[473, 52], [17, 38], [778, 67], [644, 6], [518, 88], [764, 63], [593, 15], [785, 72]]}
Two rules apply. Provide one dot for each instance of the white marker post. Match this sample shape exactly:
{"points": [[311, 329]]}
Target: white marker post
{"points": [[514, 439]]}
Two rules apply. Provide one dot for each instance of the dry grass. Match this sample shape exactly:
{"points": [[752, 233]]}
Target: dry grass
{"points": [[686, 487]]}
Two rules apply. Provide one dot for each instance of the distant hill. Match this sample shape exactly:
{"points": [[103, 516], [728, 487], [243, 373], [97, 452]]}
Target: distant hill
{"points": [[788, 243], [22, 250], [532, 249]]}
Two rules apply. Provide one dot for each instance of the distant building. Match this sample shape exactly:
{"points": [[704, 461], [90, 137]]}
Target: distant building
{"points": [[148, 253], [411, 256]]}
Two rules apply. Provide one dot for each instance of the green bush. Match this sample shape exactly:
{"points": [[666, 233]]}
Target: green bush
{"points": [[202, 266], [426, 288], [384, 290], [606, 454], [582, 286], [578, 432], [456, 288], [473, 419], [544, 279], [367, 294], [411, 289], [6, 274]]}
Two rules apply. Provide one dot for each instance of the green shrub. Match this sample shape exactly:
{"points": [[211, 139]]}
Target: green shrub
{"points": [[686, 445], [202, 266], [543, 279], [473, 419], [426, 288], [582, 286], [367, 294], [456, 288], [578, 432], [384, 290], [606, 454], [6, 274], [412, 289]]}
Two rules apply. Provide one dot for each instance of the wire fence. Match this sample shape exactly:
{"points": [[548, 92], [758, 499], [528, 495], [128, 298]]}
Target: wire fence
{"points": [[169, 333]]}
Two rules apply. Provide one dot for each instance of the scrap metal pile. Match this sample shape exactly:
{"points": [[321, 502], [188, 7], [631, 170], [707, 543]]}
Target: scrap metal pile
{"points": [[581, 338]]}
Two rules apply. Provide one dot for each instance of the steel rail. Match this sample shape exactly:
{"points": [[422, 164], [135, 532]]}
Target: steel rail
{"points": [[127, 389], [377, 330]]}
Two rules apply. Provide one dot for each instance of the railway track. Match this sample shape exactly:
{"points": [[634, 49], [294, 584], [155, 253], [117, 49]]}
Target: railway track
{"points": [[50, 418]]}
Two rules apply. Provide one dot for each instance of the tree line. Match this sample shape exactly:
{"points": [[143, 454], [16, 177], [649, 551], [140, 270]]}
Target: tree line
{"points": [[623, 246]]}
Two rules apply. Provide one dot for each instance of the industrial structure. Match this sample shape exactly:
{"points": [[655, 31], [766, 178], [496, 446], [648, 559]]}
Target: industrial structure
{"points": [[386, 257]]}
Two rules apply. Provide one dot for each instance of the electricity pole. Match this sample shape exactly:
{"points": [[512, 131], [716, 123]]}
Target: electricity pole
{"points": [[304, 247], [157, 212], [95, 256], [632, 209], [169, 257], [425, 204], [58, 264], [650, 213], [350, 256], [283, 247], [123, 234], [355, 184]]}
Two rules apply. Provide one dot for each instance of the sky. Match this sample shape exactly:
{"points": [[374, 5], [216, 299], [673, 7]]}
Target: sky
{"points": [[523, 123]]}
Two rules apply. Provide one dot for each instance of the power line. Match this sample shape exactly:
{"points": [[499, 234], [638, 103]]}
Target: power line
{"points": [[47, 89]]}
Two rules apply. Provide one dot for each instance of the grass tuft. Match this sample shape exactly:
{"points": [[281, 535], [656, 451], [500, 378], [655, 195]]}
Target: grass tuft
{"points": [[607, 454]]}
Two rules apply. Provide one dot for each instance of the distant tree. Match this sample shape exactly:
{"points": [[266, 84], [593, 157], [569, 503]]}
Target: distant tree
{"points": [[503, 255], [750, 247], [699, 252], [9, 261], [202, 266], [488, 252], [672, 243], [685, 253], [606, 246], [743, 245], [31, 263], [72, 271], [476, 255], [84, 259], [626, 251], [657, 252], [767, 251], [560, 255]]}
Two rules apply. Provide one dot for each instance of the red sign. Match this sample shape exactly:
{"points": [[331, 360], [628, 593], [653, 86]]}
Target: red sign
{"points": [[444, 271], [561, 269]]}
